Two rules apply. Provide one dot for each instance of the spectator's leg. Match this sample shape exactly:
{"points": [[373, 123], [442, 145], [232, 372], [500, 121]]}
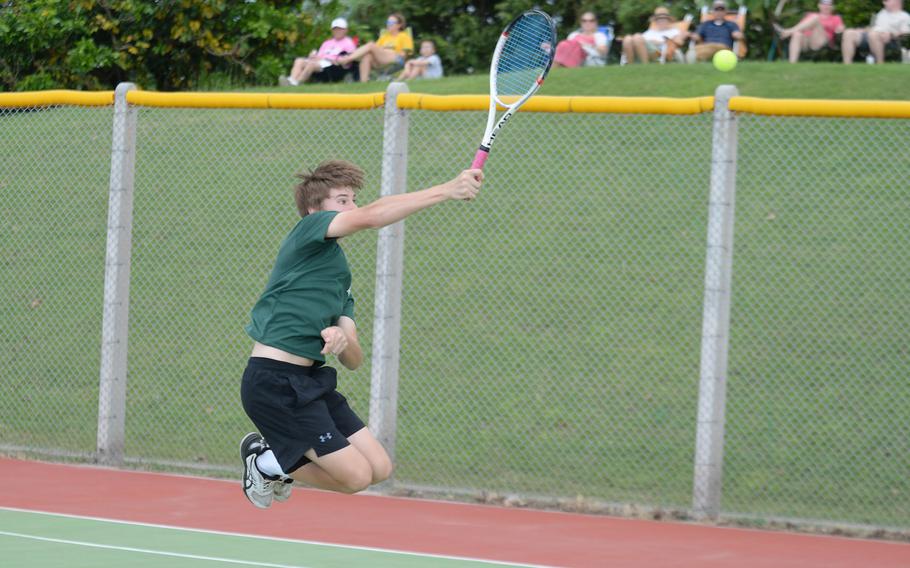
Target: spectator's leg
{"points": [[357, 54], [366, 64], [877, 41], [312, 66], [627, 50], [418, 69], [848, 43], [705, 51], [811, 22], [407, 72], [382, 56], [796, 46], [818, 39], [297, 68], [641, 49]]}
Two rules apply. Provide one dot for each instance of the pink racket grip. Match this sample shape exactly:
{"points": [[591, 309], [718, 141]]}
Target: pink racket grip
{"points": [[480, 158]]}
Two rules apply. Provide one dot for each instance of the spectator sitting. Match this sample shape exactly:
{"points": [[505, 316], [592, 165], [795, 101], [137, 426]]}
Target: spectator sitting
{"points": [[649, 45], [586, 46], [427, 66], [323, 65], [814, 31], [391, 49], [715, 34], [887, 26]]}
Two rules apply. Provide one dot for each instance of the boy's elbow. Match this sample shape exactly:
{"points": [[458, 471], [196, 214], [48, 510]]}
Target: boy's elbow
{"points": [[352, 363]]}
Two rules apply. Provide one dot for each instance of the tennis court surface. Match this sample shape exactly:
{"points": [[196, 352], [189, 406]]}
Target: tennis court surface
{"points": [[75, 516]]}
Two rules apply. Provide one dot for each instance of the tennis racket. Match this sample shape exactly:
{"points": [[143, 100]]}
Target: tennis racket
{"points": [[521, 61]]}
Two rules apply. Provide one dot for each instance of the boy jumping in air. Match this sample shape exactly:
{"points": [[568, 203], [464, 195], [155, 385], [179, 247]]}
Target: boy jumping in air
{"points": [[307, 431]]}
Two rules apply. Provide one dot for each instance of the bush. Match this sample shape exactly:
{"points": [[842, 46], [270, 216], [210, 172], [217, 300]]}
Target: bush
{"points": [[93, 44]]}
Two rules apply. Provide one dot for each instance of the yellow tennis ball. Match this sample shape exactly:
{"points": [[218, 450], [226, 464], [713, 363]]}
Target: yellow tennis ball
{"points": [[724, 60]]}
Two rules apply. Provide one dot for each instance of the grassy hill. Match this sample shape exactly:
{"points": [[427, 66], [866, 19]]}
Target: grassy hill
{"points": [[757, 79]]}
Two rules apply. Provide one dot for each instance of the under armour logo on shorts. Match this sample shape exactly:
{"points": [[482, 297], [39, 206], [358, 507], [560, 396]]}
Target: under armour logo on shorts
{"points": [[325, 437]]}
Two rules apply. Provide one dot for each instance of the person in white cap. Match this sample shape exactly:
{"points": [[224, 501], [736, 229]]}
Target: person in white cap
{"points": [[323, 65]]}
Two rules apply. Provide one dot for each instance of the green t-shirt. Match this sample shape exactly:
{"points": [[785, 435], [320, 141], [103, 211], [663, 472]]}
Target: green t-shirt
{"points": [[308, 290]]}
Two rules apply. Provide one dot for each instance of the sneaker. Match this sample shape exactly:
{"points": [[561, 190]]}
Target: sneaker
{"points": [[281, 489], [284, 81], [257, 488]]}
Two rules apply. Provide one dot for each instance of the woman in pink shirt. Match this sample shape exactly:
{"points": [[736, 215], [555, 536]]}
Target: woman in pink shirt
{"points": [[323, 64], [814, 31]]}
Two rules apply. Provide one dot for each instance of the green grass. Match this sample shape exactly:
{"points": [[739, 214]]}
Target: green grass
{"points": [[551, 330], [774, 80]]}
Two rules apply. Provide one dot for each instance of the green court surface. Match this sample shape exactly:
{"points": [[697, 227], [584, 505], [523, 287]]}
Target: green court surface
{"points": [[45, 540]]}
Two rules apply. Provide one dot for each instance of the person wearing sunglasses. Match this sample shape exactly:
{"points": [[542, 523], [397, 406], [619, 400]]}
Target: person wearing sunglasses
{"points": [[586, 46], [390, 50], [715, 34]]}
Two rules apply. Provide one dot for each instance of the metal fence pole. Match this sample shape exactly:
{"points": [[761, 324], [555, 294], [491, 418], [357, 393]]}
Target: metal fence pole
{"points": [[389, 263], [112, 392], [709, 438]]}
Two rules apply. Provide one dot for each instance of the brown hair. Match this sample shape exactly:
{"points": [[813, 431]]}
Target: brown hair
{"points": [[316, 185], [400, 18]]}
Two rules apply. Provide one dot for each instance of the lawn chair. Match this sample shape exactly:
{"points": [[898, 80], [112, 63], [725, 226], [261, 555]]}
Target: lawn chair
{"points": [[670, 51], [738, 17], [610, 32]]}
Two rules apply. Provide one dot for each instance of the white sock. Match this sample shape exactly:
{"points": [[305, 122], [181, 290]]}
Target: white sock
{"points": [[293, 81], [268, 464]]}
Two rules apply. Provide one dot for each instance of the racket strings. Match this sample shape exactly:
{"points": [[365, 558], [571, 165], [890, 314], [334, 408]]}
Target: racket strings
{"points": [[526, 54]]}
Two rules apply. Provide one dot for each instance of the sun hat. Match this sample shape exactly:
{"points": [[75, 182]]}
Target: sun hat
{"points": [[339, 23]]}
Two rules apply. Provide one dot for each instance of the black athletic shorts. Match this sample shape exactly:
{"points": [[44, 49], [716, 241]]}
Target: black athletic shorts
{"points": [[296, 408]]}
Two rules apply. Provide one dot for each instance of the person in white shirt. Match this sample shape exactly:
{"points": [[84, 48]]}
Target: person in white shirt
{"points": [[649, 45], [586, 46], [427, 66], [888, 26]]}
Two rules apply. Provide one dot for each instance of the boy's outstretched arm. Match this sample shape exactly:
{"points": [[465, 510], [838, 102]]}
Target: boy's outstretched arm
{"points": [[393, 208]]}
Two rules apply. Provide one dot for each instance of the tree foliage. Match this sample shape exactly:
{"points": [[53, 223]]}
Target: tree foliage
{"points": [[163, 44], [184, 44]]}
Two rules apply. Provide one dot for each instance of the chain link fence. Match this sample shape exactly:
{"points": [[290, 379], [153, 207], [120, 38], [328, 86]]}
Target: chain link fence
{"points": [[818, 413], [54, 170], [214, 199], [550, 331]]}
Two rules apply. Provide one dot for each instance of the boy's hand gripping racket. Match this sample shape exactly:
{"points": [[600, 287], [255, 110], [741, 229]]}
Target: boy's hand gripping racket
{"points": [[523, 56]]}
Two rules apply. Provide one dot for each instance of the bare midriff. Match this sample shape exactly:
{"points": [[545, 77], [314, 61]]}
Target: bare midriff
{"points": [[260, 350]]}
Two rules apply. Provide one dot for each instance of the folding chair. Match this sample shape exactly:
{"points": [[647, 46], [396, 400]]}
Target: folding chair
{"points": [[670, 51], [738, 17]]}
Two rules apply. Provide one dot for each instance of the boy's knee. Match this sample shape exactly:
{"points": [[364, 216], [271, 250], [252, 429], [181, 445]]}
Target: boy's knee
{"points": [[357, 480], [382, 471]]}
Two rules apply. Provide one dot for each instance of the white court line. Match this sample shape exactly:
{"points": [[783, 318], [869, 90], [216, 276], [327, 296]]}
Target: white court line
{"points": [[147, 551], [278, 539]]}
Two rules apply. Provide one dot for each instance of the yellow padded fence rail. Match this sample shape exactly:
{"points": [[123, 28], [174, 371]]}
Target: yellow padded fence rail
{"points": [[619, 105], [624, 105], [194, 100], [56, 97], [256, 100], [821, 108]]}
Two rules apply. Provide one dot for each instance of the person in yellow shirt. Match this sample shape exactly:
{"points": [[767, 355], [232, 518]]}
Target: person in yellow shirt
{"points": [[392, 48]]}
